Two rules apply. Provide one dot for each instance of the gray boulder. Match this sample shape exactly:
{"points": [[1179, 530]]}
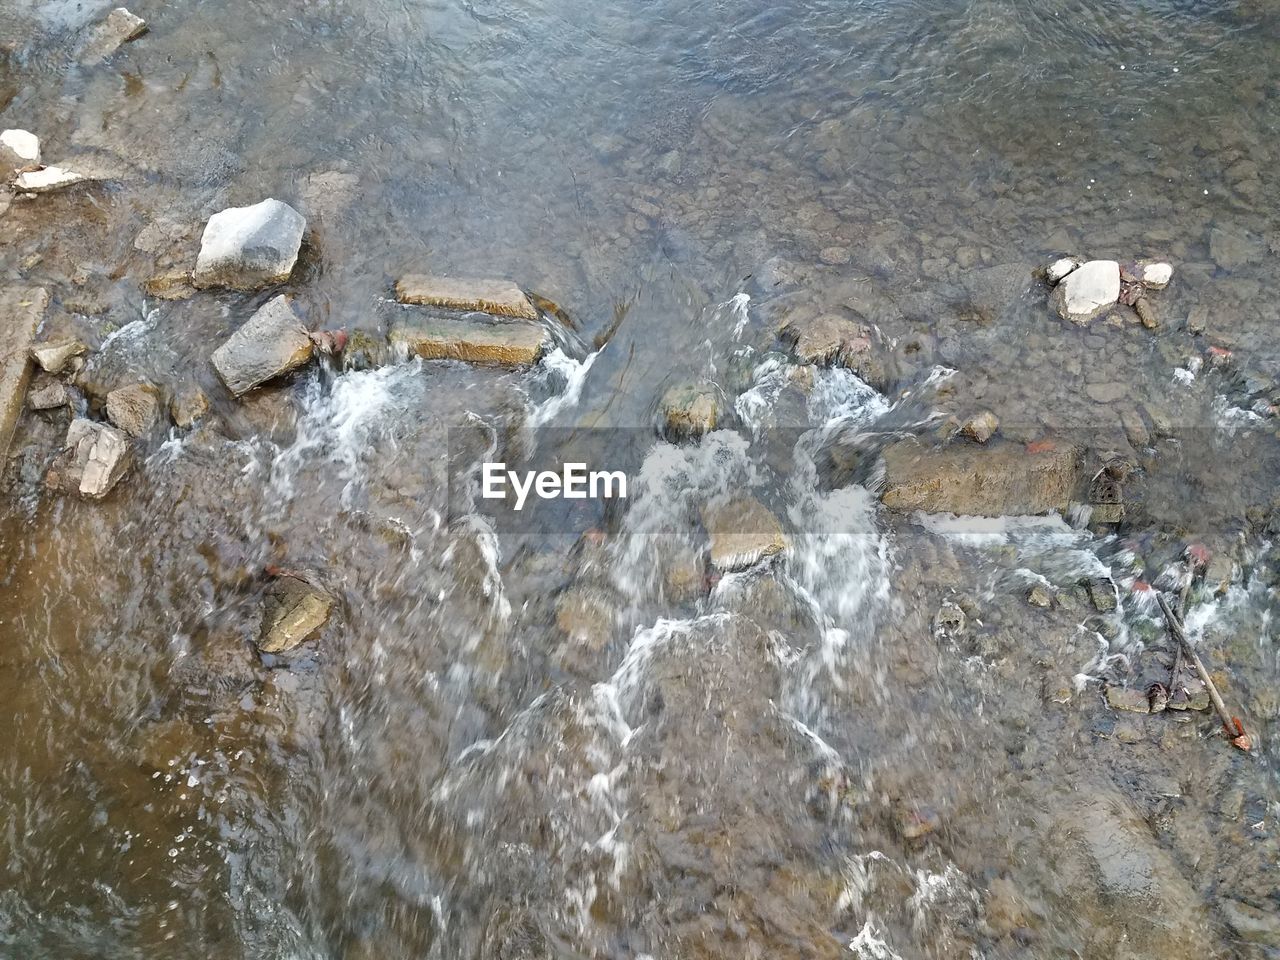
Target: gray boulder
{"points": [[271, 343], [245, 248]]}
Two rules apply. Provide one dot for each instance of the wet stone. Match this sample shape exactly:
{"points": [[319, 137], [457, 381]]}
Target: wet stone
{"points": [[135, 409], [245, 248], [826, 339], [1040, 596], [743, 532], [981, 427], [188, 405], [1102, 594], [998, 480], [917, 822], [170, 285], [18, 149], [498, 297], [95, 457], [294, 610], [689, 411], [117, 29], [1088, 291], [21, 309], [509, 343], [585, 615], [1128, 699], [1146, 313], [271, 343], [47, 393]]}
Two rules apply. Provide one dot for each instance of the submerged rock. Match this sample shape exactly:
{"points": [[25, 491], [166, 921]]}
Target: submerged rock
{"points": [[294, 611], [46, 180], [1146, 313], [499, 297], [187, 406], [689, 411], [743, 532], [826, 339], [1003, 479], [115, 31], [1128, 700], [135, 409], [1088, 291], [245, 248], [95, 458], [1251, 924], [512, 343], [18, 149], [271, 343], [1152, 899], [20, 311], [172, 284], [53, 356]]}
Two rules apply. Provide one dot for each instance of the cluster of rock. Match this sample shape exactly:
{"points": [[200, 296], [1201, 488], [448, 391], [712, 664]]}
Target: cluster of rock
{"points": [[1085, 290]]}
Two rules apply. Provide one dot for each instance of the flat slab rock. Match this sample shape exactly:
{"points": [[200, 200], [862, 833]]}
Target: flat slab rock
{"points": [[20, 311], [743, 532], [246, 248], [1088, 291], [95, 458], [46, 180], [270, 344], [501, 298], [509, 343], [1000, 479], [294, 611]]}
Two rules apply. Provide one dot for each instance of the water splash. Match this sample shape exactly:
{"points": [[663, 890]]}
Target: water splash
{"points": [[339, 418], [559, 372]]}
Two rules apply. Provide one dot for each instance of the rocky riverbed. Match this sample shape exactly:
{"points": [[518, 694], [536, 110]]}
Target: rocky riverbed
{"points": [[937, 345]]}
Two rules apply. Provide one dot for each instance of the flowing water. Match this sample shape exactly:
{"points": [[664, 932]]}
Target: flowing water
{"points": [[574, 738]]}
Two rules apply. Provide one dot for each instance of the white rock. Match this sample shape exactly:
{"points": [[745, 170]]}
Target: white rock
{"points": [[1057, 271], [46, 180], [250, 247], [1088, 291], [18, 149], [1156, 275]]}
